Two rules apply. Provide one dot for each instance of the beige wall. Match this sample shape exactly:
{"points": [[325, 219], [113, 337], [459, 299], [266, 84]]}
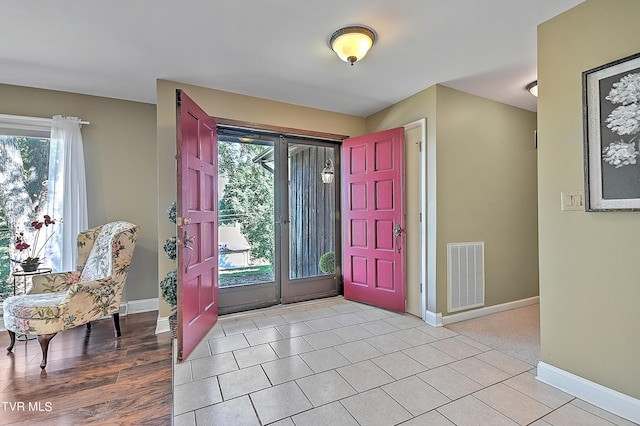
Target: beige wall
{"points": [[486, 185], [420, 106], [230, 106], [589, 285], [120, 159]]}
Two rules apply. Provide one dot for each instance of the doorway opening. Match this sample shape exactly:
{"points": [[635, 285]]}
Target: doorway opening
{"points": [[373, 196], [278, 220]]}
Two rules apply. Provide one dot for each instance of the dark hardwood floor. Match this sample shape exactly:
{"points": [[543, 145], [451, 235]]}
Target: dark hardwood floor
{"points": [[91, 378]]}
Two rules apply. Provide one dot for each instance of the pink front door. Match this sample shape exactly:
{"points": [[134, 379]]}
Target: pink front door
{"points": [[197, 155], [373, 221]]}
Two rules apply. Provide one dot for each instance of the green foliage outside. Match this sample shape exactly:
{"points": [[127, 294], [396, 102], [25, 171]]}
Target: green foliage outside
{"points": [[5, 240], [35, 161], [248, 197], [246, 271], [328, 262]]}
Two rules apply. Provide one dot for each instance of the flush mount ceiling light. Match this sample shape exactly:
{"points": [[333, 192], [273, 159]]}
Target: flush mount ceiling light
{"points": [[533, 88], [351, 44]]}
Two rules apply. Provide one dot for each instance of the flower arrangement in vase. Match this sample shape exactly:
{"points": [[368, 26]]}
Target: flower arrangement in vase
{"points": [[32, 261]]}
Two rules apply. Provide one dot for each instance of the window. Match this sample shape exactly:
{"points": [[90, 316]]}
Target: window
{"points": [[38, 178], [24, 171]]}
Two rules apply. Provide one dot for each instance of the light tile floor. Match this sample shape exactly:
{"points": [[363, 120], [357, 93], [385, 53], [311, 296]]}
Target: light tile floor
{"points": [[333, 362]]}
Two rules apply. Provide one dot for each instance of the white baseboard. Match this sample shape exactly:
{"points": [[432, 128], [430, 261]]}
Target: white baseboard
{"points": [[139, 306], [593, 393], [143, 305], [162, 325], [480, 312], [433, 319]]}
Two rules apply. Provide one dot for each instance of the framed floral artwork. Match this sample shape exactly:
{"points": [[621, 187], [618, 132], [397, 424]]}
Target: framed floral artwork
{"points": [[611, 106]]}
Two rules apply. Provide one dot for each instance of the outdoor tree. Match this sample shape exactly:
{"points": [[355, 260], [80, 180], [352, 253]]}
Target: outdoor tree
{"points": [[5, 242], [248, 197], [23, 174]]}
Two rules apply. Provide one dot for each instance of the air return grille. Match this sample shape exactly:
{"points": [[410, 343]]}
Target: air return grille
{"points": [[465, 270]]}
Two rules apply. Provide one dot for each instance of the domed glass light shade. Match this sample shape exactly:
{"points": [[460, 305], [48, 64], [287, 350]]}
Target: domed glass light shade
{"points": [[351, 44]]}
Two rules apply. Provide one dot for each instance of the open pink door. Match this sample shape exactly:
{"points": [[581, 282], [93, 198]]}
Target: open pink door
{"points": [[197, 155], [373, 221]]}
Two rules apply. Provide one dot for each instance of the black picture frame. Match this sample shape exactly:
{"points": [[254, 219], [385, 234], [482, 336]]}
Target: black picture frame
{"points": [[611, 112]]}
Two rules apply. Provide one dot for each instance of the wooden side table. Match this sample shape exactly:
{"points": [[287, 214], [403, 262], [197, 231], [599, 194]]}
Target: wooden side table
{"points": [[21, 274]]}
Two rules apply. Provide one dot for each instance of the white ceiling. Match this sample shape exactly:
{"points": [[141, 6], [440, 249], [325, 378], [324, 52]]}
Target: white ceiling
{"points": [[275, 49]]}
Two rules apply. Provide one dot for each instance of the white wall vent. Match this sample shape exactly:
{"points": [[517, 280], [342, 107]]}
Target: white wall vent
{"points": [[465, 275]]}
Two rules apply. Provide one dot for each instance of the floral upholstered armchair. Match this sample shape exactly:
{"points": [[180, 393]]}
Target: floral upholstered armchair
{"points": [[64, 300]]}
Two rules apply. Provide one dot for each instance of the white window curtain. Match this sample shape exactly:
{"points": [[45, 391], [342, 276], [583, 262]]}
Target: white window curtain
{"points": [[67, 192]]}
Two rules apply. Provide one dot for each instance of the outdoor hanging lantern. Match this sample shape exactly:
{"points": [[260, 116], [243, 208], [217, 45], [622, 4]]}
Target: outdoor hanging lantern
{"points": [[327, 172]]}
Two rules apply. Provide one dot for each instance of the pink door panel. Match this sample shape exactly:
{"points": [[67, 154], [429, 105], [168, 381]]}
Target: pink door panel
{"points": [[197, 156], [373, 222]]}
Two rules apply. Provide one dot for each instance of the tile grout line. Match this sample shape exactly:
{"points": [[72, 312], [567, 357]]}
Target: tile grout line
{"points": [[395, 380], [553, 410], [279, 357], [390, 333]]}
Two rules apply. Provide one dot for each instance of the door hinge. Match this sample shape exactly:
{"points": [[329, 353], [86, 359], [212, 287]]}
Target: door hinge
{"points": [[420, 288], [420, 216]]}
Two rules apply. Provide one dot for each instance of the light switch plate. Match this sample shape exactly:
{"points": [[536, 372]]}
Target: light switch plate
{"points": [[572, 200]]}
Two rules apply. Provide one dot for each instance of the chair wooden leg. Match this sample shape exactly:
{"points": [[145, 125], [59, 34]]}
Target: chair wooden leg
{"points": [[116, 324], [44, 340], [12, 337], [89, 326]]}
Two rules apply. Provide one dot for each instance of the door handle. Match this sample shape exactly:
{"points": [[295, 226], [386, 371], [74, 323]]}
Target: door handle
{"points": [[282, 220], [397, 231], [186, 241]]}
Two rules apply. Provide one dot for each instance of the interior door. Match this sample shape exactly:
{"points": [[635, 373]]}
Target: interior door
{"points": [[374, 219], [197, 223]]}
